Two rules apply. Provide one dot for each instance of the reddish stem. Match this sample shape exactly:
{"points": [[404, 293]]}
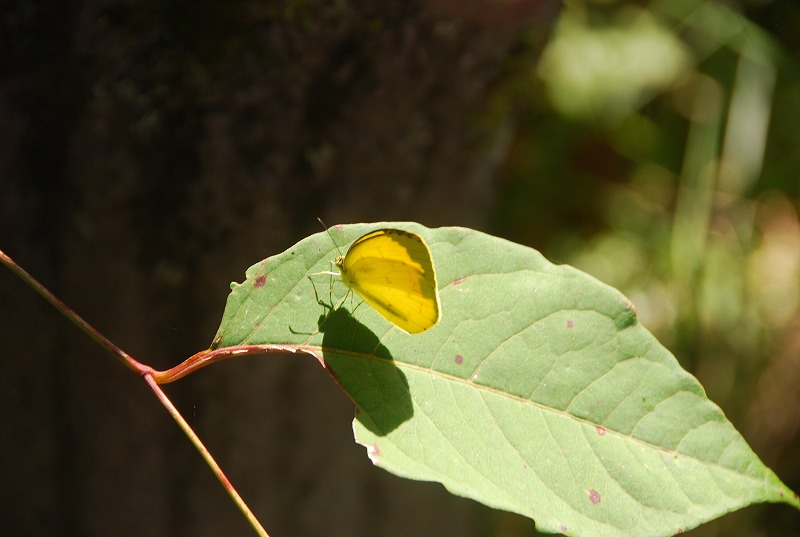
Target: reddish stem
{"points": [[76, 319], [209, 356], [153, 378], [223, 479]]}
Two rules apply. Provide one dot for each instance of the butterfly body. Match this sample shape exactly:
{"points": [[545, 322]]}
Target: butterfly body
{"points": [[392, 271]]}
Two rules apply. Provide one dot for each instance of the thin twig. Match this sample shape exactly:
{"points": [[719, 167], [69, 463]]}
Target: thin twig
{"points": [[176, 415], [146, 372], [209, 356], [76, 319]]}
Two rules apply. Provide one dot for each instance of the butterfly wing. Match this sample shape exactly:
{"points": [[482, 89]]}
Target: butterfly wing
{"points": [[392, 271]]}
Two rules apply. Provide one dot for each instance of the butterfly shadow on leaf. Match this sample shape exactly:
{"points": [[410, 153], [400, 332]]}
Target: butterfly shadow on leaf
{"points": [[366, 371]]}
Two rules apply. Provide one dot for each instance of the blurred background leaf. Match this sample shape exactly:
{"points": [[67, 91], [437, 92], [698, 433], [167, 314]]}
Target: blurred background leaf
{"points": [[663, 168]]}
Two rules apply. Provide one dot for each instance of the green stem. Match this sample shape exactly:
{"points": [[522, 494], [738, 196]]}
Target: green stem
{"points": [[76, 319], [147, 373], [189, 432]]}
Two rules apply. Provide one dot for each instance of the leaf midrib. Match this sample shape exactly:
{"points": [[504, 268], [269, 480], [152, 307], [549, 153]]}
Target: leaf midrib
{"points": [[561, 413]]}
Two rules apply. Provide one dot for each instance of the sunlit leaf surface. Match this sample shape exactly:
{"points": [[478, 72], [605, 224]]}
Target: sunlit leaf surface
{"points": [[538, 392]]}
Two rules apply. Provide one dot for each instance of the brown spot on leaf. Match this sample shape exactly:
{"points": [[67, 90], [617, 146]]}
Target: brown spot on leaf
{"points": [[594, 496], [261, 280], [459, 281], [570, 324], [600, 430], [459, 359]]}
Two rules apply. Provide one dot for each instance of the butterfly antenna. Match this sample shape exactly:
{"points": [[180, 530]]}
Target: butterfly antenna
{"points": [[328, 231]]}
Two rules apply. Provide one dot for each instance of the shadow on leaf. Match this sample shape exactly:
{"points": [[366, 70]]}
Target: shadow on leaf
{"points": [[366, 371]]}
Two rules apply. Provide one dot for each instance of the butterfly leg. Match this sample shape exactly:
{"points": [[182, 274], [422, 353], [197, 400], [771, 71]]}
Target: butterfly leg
{"points": [[327, 305]]}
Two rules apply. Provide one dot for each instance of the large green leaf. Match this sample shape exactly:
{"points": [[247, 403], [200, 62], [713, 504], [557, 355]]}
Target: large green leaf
{"points": [[538, 392]]}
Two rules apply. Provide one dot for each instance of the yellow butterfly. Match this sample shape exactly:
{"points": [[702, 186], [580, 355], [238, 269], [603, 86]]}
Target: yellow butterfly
{"points": [[392, 271]]}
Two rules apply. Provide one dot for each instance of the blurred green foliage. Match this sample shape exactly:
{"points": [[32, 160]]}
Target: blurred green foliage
{"points": [[658, 151]]}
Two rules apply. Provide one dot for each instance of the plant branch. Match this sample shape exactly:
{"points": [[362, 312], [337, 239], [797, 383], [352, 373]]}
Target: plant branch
{"points": [[189, 432], [148, 373], [209, 356], [76, 319]]}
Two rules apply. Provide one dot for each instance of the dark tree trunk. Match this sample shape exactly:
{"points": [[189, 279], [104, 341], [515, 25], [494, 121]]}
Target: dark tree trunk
{"points": [[150, 152]]}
